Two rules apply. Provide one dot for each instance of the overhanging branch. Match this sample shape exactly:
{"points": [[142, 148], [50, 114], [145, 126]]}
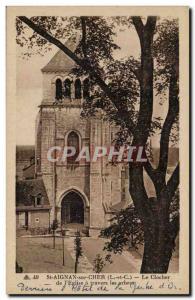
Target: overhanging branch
{"points": [[82, 63], [83, 41], [150, 170], [173, 182], [139, 26], [169, 121]]}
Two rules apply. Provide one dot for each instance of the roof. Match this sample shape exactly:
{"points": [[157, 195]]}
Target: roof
{"points": [[29, 171], [25, 152], [61, 62], [26, 190], [32, 208]]}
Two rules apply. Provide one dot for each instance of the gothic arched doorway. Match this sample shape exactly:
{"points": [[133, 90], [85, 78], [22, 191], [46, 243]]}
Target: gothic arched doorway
{"points": [[72, 209]]}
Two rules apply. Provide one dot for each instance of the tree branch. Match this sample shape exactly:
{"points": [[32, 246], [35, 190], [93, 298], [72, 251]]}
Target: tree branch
{"points": [[167, 126], [173, 182], [83, 41], [82, 63], [138, 192], [139, 26], [142, 130], [174, 227], [141, 29], [137, 73], [146, 34], [150, 170], [151, 23]]}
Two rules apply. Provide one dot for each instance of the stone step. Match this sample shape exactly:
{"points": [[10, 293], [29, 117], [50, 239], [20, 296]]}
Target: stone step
{"points": [[73, 232]]}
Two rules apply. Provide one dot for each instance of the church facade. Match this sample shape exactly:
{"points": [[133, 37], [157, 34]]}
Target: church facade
{"points": [[84, 194], [79, 192]]}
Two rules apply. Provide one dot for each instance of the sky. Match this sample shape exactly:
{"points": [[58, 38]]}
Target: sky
{"points": [[29, 82]]}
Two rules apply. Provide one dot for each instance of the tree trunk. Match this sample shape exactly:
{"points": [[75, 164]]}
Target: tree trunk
{"points": [[157, 254], [159, 236], [154, 214], [76, 265], [54, 242], [159, 232]]}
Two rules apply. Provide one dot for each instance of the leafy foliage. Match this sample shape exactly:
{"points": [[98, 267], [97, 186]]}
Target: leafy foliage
{"points": [[122, 82], [126, 98], [78, 246], [166, 56], [54, 224], [33, 44], [98, 40], [97, 45], [99, 264], [78, 250], [166, 51], [174, 207], [95, 38], [126, 229]]}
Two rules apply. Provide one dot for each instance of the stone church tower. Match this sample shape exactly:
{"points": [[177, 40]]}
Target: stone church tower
{"points": [[85, 193]]}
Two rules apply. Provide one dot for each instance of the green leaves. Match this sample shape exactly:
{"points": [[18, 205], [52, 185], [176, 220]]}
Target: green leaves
{"points": [[166, 52], [98, 263], [125, 231], [78, 246]]}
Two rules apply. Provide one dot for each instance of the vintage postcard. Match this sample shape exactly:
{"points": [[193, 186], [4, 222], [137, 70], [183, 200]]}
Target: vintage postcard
{"points": [[98, 150]]}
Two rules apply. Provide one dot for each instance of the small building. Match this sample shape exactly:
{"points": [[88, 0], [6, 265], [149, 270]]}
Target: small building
{"points": [[32, 205], [25, 158]]}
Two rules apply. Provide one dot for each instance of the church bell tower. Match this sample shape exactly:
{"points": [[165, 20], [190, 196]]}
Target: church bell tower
{"points": [[82, 193]]}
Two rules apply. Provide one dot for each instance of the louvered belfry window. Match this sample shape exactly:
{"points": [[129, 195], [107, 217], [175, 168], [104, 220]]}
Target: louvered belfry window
{"points": [[77, 89], [58, 89], [67, 88], [86, 88]]}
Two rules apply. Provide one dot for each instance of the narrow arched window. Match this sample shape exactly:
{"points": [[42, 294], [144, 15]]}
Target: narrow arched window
{"points": [[67, 88], [73, 141], [86, 88], [77, 89], [58, 89]]}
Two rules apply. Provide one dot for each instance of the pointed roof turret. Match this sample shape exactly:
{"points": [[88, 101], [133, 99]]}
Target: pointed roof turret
{"points": [[60, 62]]}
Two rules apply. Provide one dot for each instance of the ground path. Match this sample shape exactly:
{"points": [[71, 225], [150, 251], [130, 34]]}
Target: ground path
{"points": [[36, 255]]}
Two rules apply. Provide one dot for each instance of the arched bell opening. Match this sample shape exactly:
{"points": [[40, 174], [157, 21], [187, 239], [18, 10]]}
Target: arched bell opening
{"points": [[77, 89], [58, 89], [67, 88]]}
